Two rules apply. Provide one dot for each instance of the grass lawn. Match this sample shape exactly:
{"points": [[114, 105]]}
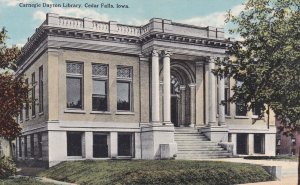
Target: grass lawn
{"points": [[22, 181], [156, 172]]}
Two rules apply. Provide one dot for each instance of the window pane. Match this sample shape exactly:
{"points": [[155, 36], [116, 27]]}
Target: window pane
{"points": [[125, 145], [33, 93], [41, 92], [25, 146], [99, 87], [32, 145], [74, 143], [74, 95], [259, 143], [99, 95], [74, 68], [241, 109], [100, 147], [227, 106], [123, 101]]}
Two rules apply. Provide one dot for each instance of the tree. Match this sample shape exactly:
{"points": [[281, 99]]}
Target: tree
{"points": [[13, 91], [267, 60]]}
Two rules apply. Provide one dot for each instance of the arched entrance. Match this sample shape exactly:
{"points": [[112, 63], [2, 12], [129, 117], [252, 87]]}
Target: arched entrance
{"points": [[181, 78]]}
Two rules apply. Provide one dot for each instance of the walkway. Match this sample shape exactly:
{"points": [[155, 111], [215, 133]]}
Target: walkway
{"points": [[289, 170]]}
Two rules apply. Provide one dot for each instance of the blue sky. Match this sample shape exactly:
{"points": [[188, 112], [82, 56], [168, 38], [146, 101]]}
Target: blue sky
{"points": [[21, 22]]}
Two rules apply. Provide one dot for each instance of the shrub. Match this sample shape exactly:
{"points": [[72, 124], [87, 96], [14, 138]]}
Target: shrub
{"points": [[7, 167], [162, 172]]}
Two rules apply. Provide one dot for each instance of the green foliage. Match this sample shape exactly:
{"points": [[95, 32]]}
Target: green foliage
{"points": [[23, 181], [279, 158], [7, 167], [267, 61], [157, 172], [13, 91]]}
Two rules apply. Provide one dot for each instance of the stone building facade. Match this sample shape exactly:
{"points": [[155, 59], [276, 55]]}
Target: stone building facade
{"points": [[108, 90]]}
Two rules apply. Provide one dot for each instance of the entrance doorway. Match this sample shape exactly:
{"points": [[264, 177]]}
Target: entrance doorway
{"points": [[174, 111]]}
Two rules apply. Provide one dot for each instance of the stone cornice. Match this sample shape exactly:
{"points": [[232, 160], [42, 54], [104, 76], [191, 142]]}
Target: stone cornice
{"points": [[157, 29]]}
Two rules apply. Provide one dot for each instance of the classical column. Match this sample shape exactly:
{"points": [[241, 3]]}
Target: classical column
{"points": [[211, 94], [193, 102], [155, 87], [182, 99], [167, 87], [221, 93], [200, 109]]}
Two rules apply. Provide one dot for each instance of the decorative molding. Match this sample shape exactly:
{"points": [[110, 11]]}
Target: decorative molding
{"points": [[208, 38]]}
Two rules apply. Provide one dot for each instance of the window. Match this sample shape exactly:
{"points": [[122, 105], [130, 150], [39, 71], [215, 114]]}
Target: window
{"points": [[293, 139], [75, 85], [100, 78], [100, 146], [217, 94], [240, 108], [124, 80], [41, 90], [227, 95], [27, 103], [257, 110], [21, 114], [74, 143], [32, 145], [259, 143], [25, 146], [20, 146], [125, 144], [33, 94], [40, 145], [242, 144]]}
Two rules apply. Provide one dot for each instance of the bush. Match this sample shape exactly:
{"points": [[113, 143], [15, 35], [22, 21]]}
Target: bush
{"points": [[7, 167], [279, 157], [163, 172]]}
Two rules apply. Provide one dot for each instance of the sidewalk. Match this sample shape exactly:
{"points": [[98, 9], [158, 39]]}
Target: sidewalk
{"points": [[289, 170]]}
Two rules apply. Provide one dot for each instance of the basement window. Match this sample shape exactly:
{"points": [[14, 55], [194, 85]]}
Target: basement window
{"points": [[125, 144], [100, 146], [259, 143], [242, 144], [74, 143]]}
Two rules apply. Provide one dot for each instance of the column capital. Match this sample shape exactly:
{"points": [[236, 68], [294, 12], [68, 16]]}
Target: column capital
{"points": [[154, 53], [143, 57], [166, 53], [212, 59]]}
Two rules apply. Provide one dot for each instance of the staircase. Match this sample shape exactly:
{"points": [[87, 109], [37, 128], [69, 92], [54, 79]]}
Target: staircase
{"points": [[192, 144]]}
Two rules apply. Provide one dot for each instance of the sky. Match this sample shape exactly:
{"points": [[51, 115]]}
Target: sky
{"points": [[21, 22]]}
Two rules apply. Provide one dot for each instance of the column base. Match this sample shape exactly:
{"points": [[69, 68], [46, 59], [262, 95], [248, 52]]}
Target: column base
{"points": [[157, 142], [216, 133], [168, 123], [192, 125], [156, 123]]}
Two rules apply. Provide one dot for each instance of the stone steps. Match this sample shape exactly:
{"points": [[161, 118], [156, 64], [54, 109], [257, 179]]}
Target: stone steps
{"points": [[193, 145]]}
